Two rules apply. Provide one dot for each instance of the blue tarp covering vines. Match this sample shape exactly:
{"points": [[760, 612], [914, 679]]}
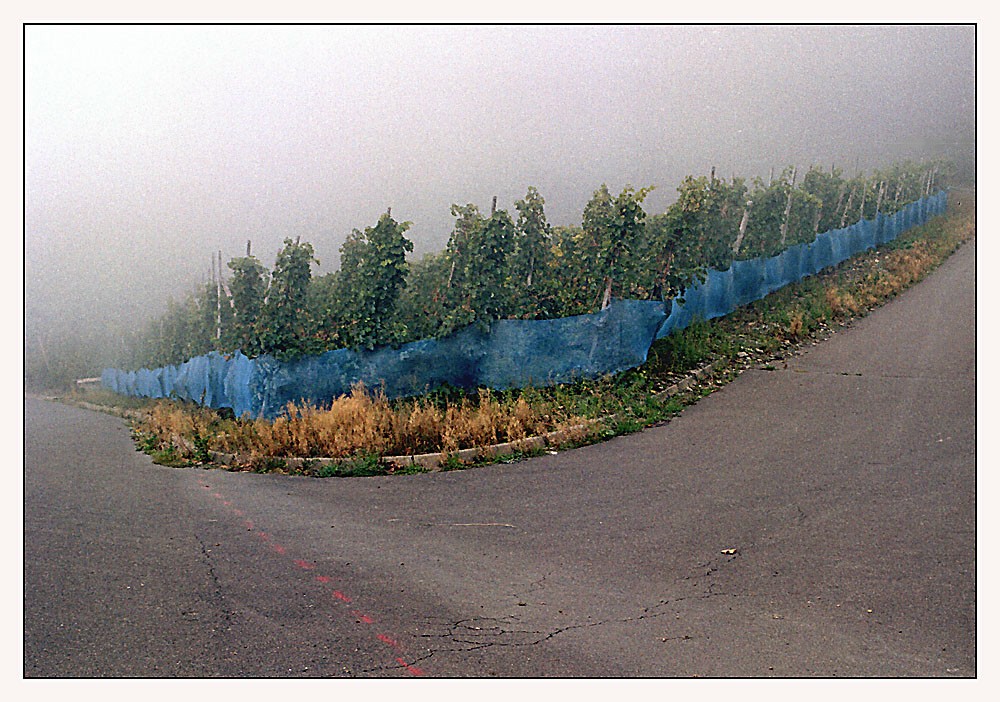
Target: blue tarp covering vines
{"points": [[513, 353]]}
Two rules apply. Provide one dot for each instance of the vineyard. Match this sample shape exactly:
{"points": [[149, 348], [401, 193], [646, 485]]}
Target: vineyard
{"points": [[514, 266]]}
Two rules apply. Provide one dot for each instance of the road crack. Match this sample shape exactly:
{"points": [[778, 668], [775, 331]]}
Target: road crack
{"points": [[216, 587]]}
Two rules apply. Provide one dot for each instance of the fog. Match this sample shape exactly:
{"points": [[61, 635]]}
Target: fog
{"points": [[150, 148]]}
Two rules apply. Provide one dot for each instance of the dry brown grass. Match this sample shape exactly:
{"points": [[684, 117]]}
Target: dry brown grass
{"points": [[172, 421], [360, 423], [795, 325], [842, 302], [892, 273]]}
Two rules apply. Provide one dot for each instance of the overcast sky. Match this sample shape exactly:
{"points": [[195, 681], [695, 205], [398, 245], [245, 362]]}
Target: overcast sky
{"points": [[149, 148]]}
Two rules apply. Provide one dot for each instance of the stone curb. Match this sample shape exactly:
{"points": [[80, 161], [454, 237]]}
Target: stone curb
{"points": [[431, 462], [687, 383], [123, 413]]}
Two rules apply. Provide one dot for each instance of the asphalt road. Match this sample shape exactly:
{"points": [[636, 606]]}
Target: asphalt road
{"points": [[815, 520]]}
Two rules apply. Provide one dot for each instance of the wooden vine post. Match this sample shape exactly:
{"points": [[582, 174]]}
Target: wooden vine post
{"points": [[218, 301], [931, 173], [743, 228], [847, 208], [840, 198], [788, 210], [864, 193]]}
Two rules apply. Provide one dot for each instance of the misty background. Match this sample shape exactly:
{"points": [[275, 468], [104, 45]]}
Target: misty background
{"points": [[148, 149]]}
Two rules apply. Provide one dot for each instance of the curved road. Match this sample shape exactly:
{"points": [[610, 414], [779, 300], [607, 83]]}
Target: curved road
{"points": [[844, 483]]}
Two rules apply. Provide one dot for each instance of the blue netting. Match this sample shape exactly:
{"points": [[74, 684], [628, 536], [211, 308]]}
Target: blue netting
{"points": [[514, 353]]}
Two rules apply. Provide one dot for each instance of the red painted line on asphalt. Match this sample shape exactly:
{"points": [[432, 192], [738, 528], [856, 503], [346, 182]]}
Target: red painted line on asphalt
{"points": [[306, 565], [410, 668], [363, 618], [388, 641]]}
